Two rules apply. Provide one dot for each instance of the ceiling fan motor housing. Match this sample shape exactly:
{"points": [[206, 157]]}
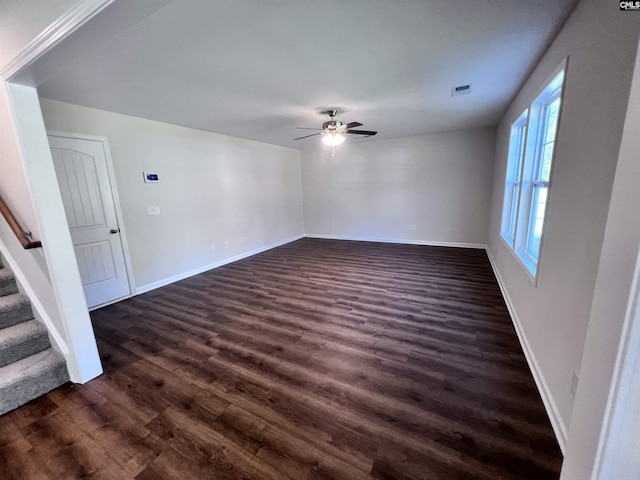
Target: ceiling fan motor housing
{"points": [[331, 125]]}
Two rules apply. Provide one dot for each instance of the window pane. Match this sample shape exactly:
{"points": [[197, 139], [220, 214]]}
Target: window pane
{"points": [[517, 154], [550, 125], [552, 120], [513, 180], [515, 191], [536, 224], [547, 156]]}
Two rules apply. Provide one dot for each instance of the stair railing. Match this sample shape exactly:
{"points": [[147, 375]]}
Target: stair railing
{"points": [[24, 237]]}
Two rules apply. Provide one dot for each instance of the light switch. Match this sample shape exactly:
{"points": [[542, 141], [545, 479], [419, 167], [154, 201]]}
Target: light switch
{"points": [[155, 210]]}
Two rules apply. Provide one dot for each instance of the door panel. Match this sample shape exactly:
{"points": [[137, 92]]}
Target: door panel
{"points": [[84, 182], [95, 261], [80, 189]]}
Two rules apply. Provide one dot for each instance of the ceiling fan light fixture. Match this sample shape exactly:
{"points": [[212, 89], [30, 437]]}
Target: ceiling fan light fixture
{"points": [[333, 139]]}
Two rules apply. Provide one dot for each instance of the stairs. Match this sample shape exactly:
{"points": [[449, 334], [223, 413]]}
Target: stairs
{"points": [[29, 367]]}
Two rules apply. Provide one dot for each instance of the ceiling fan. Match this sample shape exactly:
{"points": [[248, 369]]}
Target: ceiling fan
{"points": [[333, 131]]}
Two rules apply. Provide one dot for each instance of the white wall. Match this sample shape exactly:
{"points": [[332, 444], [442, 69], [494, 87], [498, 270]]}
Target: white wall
{"points": [[440, 183], [612, 292], [601, 43], [236, 194]]}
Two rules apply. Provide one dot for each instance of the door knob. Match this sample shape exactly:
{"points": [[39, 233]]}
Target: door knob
{"points": [[114, 230]]}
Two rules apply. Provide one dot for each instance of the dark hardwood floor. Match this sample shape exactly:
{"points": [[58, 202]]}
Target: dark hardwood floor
{"points": [[320, 359]]}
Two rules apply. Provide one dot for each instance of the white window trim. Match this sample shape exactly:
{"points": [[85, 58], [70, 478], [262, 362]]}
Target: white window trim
{"points": [[518, 248]]}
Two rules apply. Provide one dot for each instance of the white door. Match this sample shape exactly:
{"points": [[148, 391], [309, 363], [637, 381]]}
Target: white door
{"points": [[81, 168]]}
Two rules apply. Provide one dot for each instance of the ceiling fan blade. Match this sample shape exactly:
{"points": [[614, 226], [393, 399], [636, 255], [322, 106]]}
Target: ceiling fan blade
{"points": [[312, 135], [368, 133], [308, 128], [353, 124]]}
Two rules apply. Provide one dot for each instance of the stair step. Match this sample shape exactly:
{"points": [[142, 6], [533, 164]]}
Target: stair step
{"points": [[22, 340], [14, 309], [7, 282], [30, 378]]}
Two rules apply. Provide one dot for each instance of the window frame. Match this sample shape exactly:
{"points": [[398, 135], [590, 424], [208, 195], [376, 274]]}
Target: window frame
{"points": [[528, 164]]}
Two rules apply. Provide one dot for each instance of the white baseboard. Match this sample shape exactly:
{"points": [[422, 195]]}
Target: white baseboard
{"points": [[110, 302], [181, 276], [396, 240], [205, 268], [553, 412]]}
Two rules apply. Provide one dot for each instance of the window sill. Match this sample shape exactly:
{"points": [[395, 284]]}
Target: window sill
{"points": [[526, 264]]}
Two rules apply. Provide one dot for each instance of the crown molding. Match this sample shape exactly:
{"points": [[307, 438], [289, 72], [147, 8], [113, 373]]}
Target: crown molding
{"points": [[69, 22]]}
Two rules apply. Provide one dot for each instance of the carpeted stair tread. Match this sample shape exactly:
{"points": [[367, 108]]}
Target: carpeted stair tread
{"points": [[22, 340], [14, 309], [29, 367], [7, 282], [30, 378]]}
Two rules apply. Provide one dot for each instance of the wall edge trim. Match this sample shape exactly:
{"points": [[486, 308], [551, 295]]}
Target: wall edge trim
{"points": [[70, 21], [196, 271], [558, 425], [397, 240]]}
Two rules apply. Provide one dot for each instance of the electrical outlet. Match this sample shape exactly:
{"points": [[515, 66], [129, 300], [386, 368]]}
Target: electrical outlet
{"points": [[574, 383], [213, 247], [413, 227], [155, 210]]}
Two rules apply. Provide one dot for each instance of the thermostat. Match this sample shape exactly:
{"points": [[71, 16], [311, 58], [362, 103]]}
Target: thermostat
{"points": [[150, 177]]}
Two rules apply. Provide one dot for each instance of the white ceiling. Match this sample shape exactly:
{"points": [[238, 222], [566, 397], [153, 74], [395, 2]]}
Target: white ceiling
{"points": [[256, 69]]}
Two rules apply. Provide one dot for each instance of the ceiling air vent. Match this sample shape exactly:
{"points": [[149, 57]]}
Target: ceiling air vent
{"points": [[461, 90]]}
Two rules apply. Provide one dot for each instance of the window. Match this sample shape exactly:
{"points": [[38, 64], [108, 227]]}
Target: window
{"points": [[531, 148]]}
